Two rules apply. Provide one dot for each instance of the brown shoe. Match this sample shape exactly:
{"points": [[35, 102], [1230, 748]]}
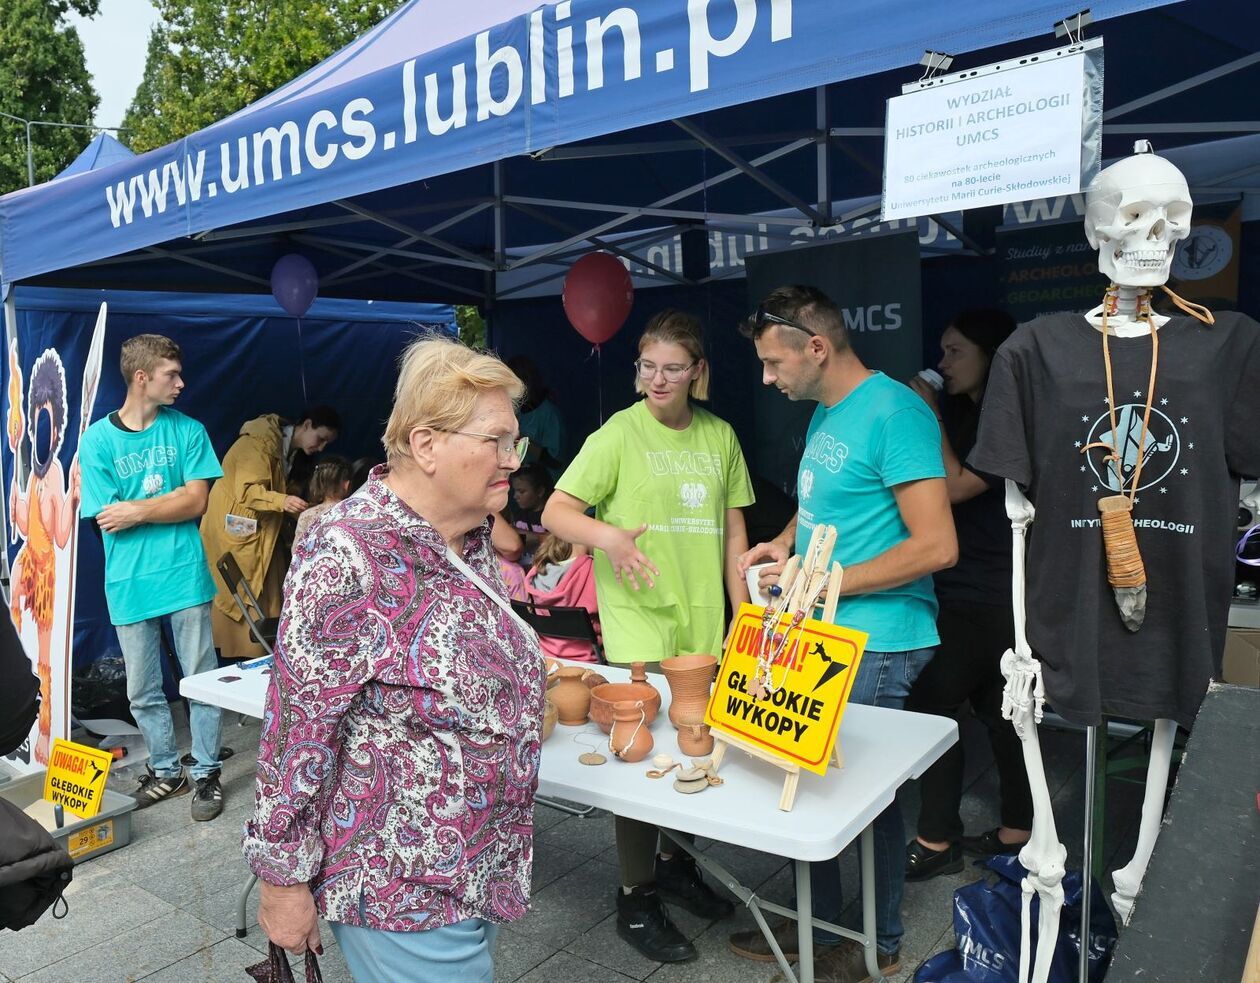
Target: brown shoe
{"points": [[846, 963], [753, 945]]}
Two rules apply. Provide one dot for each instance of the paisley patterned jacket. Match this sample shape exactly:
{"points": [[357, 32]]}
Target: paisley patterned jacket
{"points": [[400, 741]]}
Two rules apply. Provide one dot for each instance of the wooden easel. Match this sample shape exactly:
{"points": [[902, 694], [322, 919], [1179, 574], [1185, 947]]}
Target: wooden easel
{"points": [[795, 579]]}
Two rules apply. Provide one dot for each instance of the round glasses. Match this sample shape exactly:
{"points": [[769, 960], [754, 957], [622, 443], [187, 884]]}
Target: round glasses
{"points": [[672, 373]]}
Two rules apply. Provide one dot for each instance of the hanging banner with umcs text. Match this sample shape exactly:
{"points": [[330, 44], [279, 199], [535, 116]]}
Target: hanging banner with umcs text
{"points": [[813, 677], [1029, 128]]}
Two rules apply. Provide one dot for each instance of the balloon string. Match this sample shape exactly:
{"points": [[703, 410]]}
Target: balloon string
{"points": [[302, 363], [599, 375]]}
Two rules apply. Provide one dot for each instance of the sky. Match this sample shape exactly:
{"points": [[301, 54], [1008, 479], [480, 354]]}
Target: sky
{"points": [[116, 41]]}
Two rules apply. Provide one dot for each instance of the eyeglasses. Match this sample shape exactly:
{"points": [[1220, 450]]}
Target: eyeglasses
{"points": [[763, 316], [672, 373], [508, 446]]}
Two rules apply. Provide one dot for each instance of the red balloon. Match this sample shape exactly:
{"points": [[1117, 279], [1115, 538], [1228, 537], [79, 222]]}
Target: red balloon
{"points": [[598, 295]]}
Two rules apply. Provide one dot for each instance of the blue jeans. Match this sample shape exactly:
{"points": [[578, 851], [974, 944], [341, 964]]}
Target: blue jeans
{"points": [[141, 645], [884, 680], [459, 953]]}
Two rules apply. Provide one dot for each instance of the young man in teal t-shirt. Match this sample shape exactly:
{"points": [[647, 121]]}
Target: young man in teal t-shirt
{"points": [[146, 473], [872, 468]]}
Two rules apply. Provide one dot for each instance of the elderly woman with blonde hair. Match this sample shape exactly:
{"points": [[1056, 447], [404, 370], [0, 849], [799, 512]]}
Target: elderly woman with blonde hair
{"points": [[400, 743]]}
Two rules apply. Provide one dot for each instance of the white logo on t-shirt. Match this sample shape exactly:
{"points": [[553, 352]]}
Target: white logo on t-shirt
{"points": [[807, 483], [153, 484], [693, 494]]}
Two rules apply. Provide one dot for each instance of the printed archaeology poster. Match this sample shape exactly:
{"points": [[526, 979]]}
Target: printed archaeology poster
{"points": [[813, 677], [49, 397], [1007, 132]]}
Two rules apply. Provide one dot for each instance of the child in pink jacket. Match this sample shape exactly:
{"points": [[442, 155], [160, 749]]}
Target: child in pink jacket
{"points": [[563, 574]]}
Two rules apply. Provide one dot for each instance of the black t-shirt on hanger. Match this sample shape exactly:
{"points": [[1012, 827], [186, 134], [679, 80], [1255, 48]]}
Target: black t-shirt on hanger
{"points": [[1046, 399]]}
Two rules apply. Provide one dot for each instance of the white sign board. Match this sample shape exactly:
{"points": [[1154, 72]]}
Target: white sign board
{"points": [[986, 139]]}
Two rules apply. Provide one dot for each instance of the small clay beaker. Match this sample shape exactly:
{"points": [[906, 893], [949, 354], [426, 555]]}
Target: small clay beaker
{"points": [[630, 739], [571, 696], [695, 740], [690, 677]]}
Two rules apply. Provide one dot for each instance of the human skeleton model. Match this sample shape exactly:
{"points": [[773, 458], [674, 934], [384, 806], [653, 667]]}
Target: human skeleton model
{"points": [[1136, 212]]}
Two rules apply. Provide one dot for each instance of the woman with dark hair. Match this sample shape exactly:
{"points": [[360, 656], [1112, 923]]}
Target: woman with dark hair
{"points": [[539, 417], [975, 622]]}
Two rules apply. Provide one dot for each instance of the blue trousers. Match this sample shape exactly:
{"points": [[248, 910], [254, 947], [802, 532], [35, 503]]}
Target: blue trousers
{"points": [[884, 680], [141, 645], [459, 953]]}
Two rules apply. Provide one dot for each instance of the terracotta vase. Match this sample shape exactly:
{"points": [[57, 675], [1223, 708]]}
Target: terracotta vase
{"points": [[690, 677], [550, 716], [630, 739], [604, 697], [695, 740], [571, 696]]}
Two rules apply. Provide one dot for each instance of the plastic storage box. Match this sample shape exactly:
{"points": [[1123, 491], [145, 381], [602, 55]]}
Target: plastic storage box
{"points": [[83, 838]]}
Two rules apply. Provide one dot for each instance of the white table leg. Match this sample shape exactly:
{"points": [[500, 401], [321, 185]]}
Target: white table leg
{"points": [[804, 923], [866, 846]]}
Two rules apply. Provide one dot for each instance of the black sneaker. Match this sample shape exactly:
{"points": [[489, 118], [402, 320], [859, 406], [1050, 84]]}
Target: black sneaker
{"points": [[153, 789], [923, 863], [988, 844], [207, 800], [679, 882], [643, 922]]}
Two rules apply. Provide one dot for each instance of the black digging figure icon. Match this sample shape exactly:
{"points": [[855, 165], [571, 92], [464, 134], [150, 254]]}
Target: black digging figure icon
{"points": [[832, 668]]}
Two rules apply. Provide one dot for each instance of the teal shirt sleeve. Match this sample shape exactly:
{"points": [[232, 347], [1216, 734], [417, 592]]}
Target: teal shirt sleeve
{"points": [[99, 485], [592, 476], [910, 447], [200, 462]]}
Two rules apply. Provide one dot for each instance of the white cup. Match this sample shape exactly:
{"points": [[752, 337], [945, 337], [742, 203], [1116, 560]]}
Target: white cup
{"points": [[754, 591], [932, 378]]}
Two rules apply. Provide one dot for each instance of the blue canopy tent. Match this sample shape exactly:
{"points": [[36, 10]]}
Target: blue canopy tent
{"points": [[412, 162]]}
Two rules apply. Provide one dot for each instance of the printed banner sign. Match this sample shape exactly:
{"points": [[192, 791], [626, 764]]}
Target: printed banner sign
{"points": [[76, 777], [984, 137], [813, 679]]}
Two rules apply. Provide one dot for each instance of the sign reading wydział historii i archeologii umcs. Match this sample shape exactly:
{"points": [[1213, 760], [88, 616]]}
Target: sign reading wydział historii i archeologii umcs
{"points": [[1024, 129]]}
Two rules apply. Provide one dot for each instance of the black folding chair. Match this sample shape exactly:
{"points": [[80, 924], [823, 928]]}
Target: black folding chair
{"points": [[260, 626], [557, 621], [571, 624]]}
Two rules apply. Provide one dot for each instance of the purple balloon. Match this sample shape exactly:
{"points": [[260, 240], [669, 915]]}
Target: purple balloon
{"points": [[294, 283]]}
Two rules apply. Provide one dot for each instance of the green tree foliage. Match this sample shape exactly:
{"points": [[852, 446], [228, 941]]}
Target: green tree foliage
{"points": [[209, 58], [43, 76], [472, 328]]}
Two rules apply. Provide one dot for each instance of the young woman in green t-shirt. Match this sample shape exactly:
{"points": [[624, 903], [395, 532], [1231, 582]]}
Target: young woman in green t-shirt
{"points": [[667, 479]]}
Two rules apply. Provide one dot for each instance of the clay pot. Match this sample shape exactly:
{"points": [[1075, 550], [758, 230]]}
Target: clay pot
{"points": [[630, 739], [550, 716], [571, 696], [593, 679], [603, 698], [695, 740], [690, 677]]}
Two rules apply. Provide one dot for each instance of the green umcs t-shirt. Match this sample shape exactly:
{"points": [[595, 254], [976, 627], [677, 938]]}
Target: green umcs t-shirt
{"points": [[636, 470], [157, 567], [878, 436]]}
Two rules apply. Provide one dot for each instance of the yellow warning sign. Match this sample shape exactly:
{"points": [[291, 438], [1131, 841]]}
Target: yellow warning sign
{"points": [[813, 677], [76, 777]]}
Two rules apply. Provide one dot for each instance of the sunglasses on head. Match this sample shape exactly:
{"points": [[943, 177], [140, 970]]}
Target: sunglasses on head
{"points": [[763, 316]]}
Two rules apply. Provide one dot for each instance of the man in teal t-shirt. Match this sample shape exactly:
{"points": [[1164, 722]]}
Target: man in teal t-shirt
{"points": [[146, 471], [872, 468]]}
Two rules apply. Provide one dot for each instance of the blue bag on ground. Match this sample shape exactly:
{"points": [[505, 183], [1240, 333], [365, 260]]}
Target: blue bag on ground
{"points": [[986, 930]]}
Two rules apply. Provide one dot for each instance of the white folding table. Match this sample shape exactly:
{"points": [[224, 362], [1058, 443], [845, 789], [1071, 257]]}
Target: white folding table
{"points": [[882, 750]]}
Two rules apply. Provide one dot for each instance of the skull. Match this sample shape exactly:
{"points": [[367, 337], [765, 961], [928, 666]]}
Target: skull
{"points": [[1136, 211]]}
